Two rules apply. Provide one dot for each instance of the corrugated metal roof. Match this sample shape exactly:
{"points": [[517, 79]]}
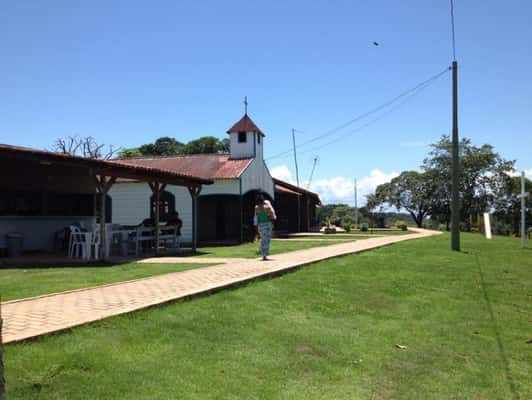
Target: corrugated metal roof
{"points": [[207, 166], [245, 125]]}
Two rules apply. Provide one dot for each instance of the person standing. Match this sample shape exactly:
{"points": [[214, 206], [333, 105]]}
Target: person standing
{"points": [[264, 219]]}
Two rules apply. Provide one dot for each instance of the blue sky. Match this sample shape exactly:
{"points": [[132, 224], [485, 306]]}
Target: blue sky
{"points": [[127, 72]]}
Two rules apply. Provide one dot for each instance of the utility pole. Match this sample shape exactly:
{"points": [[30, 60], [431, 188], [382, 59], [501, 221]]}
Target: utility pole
{"points": [[297, 180], [356, 205], [312, 172], [455, 166], [523, 196]]}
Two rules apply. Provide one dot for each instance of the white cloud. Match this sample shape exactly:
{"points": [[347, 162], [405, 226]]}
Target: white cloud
{"points": [[281, 172], [340, 189], [528, 173]]}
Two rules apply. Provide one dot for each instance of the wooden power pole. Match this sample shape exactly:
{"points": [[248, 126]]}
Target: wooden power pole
{"points": [[455, 166]]}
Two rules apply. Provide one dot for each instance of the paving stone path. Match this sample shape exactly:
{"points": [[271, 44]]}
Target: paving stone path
{"points": [[28, 318]]}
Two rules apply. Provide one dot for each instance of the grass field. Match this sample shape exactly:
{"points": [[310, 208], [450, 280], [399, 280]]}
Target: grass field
{"points": [[17, 283], [327, 331]]}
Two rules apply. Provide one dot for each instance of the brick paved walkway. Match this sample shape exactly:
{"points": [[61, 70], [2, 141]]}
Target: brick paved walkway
{"points": [[27, 318]]}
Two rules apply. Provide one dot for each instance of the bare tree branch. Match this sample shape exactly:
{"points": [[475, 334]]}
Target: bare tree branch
{"points": [[86, 147]]}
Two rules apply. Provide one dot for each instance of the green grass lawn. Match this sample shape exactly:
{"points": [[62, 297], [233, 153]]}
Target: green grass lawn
{"points": [[251, 250], [326, 331], [17, 283]]}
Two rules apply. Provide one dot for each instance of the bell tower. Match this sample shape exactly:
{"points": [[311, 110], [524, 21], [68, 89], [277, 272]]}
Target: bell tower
{"points": [[245, 138]]}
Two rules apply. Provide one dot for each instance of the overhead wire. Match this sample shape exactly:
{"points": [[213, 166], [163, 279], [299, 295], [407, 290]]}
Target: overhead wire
{"points": [[371, 122], [384, 105]]}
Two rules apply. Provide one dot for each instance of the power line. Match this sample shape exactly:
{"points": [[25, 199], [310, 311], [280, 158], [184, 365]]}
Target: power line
{"points": [[366, 114], [371, 122]]}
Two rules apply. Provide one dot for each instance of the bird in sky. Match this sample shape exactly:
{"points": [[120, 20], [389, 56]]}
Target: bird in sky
{"points": [[375, 43]]}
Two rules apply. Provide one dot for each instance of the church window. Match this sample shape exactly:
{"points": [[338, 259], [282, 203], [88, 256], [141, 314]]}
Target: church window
{"points": [[242, 137], [166, 206]]}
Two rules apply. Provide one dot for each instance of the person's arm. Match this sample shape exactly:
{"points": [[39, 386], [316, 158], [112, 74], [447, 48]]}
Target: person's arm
{"points": [[271, 210]]}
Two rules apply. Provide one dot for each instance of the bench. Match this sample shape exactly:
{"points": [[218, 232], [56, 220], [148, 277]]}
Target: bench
{"points": [[147, 234]]}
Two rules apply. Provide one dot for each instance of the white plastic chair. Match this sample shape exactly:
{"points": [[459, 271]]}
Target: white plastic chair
{"points": [[94, 245], [77, 244]]}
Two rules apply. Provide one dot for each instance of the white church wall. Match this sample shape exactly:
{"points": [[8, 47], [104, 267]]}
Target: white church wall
{"points": [[131, 205], [131, 202], [257, 176]]}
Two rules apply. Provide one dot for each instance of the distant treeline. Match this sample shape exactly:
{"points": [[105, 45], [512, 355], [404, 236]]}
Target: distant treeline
{"points": [[342, 214]]}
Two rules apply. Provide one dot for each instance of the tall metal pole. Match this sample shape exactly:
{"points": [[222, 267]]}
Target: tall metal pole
{"points": [[356, 205], [455, 169], [455, 166], [297, 179], [523, 197]]}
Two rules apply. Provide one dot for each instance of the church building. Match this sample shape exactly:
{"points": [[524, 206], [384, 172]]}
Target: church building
{"points": [[225, 208]]}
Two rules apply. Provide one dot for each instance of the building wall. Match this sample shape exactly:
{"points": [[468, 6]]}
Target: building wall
{"points": [[242, 150], [257, 177], [39, 231], [131, 202]]}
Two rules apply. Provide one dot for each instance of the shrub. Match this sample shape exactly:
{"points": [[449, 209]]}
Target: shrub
{"points": [[346, 226], [402, 225], [364, 227]]}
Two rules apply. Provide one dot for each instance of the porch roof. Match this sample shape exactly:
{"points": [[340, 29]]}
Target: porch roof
{"points": [[102, 167]]}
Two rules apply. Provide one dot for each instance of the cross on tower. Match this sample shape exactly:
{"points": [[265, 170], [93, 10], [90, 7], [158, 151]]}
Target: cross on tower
{"points": [[246, 105]]}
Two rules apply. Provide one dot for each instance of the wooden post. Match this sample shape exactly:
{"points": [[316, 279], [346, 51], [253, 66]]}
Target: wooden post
{"points": [[2, 380], [103, 185], [241, 219], [194, 194], [156, 189]]}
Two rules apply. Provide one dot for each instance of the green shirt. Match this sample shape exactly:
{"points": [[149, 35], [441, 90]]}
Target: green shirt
{"points": [[262, 217]]}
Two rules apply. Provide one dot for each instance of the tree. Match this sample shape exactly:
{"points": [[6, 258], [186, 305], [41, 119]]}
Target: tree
{"points": [[410, 191], [163, 146], [167, 147], [204, 145], [483, 173], [129, 153], [508, 206], [86, 147]]}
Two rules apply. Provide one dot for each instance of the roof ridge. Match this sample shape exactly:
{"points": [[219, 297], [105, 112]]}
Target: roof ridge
{"points": [[154, 157]]}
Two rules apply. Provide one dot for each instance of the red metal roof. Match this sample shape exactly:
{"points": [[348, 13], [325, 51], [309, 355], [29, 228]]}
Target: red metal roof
{"points": [[245, 125], [207, 166]]}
